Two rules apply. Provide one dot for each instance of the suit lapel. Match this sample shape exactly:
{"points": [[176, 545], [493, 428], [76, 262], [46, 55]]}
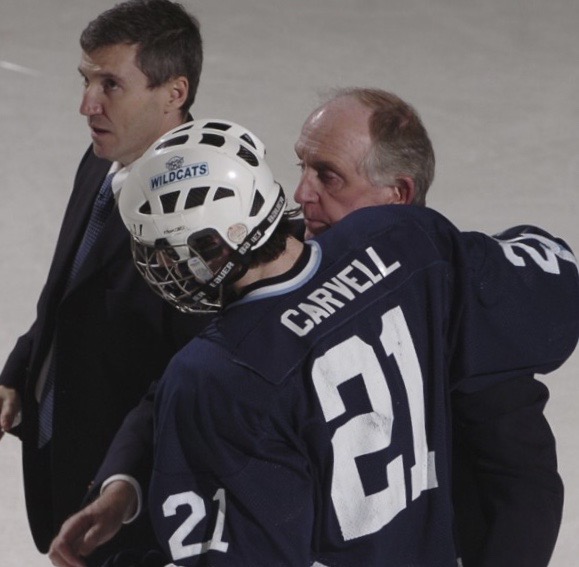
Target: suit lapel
{"points": [[90, 175]]}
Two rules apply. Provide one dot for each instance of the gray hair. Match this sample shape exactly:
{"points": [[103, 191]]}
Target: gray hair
{"points": [[400, 142]]}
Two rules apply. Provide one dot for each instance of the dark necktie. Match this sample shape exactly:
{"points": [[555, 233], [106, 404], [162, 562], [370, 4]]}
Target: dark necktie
{"points": [[102, 207]]}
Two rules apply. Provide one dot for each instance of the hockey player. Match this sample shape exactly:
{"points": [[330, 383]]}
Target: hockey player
{"points": [[309, 424]]}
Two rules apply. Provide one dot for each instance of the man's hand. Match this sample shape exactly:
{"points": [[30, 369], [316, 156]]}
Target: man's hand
{"points": [[9, 409], [94, 525]]}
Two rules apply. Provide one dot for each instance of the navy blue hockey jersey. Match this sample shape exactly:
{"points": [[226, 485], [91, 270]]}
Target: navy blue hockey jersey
{"points": [[309, 425]]}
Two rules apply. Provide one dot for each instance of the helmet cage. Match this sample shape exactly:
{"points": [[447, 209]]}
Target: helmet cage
{"points": [[191, 276], [172, 278]]}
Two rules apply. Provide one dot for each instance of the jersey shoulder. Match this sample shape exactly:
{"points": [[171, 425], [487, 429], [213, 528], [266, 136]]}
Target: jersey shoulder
{"points": [[364, 264], [523, 304]]}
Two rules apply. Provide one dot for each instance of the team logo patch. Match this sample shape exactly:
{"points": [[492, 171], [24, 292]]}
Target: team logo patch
{"points": [[177, 171], [237, 233]]}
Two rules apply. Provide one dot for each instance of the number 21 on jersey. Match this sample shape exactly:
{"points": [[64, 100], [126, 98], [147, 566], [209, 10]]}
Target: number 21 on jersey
{"points": [[360, 514]]}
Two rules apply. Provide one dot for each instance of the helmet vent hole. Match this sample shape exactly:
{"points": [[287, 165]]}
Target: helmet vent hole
{"points": [[222, 193], [145, 208], [196, 197], [247, 138], [184, 129], [217, 126], [168, 201], [258, 202], [213, 140], [248, 156], [177, 141]]}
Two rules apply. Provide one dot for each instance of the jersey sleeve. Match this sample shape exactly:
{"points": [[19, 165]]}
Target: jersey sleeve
{"points": [[522, 308], [215, 496]]}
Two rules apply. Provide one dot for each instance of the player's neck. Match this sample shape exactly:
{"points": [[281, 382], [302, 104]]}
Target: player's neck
{"points": [[283, 263]]}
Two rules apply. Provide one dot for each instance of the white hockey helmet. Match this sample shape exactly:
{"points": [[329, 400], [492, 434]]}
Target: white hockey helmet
{"points": [[197, 203]]}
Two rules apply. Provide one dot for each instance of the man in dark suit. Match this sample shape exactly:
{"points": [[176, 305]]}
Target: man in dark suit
{"points": [[101, 336]]}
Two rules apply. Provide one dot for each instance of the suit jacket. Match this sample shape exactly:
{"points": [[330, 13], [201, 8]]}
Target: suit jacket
{"points": [[112, 336]]}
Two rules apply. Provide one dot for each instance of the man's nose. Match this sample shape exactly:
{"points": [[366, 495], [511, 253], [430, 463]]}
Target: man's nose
{"points": [[90, 104], [305, 191]]}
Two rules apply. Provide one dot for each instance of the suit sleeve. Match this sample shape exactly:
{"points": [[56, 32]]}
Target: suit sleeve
{"points": [[507, 491], [14, 373], [131, 451]]}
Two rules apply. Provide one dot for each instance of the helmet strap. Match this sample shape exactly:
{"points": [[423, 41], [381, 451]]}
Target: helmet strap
{"points": [[238, 263]]}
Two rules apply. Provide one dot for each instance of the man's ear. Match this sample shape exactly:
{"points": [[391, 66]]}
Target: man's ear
{"points": [[405, 190], [178, 89]]}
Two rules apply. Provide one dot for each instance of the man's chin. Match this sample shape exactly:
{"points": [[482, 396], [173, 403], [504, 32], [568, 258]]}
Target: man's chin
{"points": [[314, 229], [99, 150], [105, 150]]}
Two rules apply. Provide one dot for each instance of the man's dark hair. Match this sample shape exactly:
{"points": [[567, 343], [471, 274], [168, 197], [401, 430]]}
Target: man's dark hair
{"points": [[276, 243], [168, 39]]}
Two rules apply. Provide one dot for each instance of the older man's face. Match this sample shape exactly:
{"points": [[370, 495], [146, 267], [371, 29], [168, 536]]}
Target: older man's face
{"points": [[330, 149]]}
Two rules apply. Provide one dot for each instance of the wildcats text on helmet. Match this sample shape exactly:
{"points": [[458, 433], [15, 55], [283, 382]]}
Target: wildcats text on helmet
{"points": [[185, 172]]}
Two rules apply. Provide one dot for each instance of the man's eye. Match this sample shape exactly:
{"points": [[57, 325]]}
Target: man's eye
{"points": [[327, 176], [110, 85]]}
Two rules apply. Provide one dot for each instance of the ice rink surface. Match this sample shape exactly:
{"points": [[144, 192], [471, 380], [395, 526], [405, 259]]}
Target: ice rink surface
{"points": [[495, 81]]}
